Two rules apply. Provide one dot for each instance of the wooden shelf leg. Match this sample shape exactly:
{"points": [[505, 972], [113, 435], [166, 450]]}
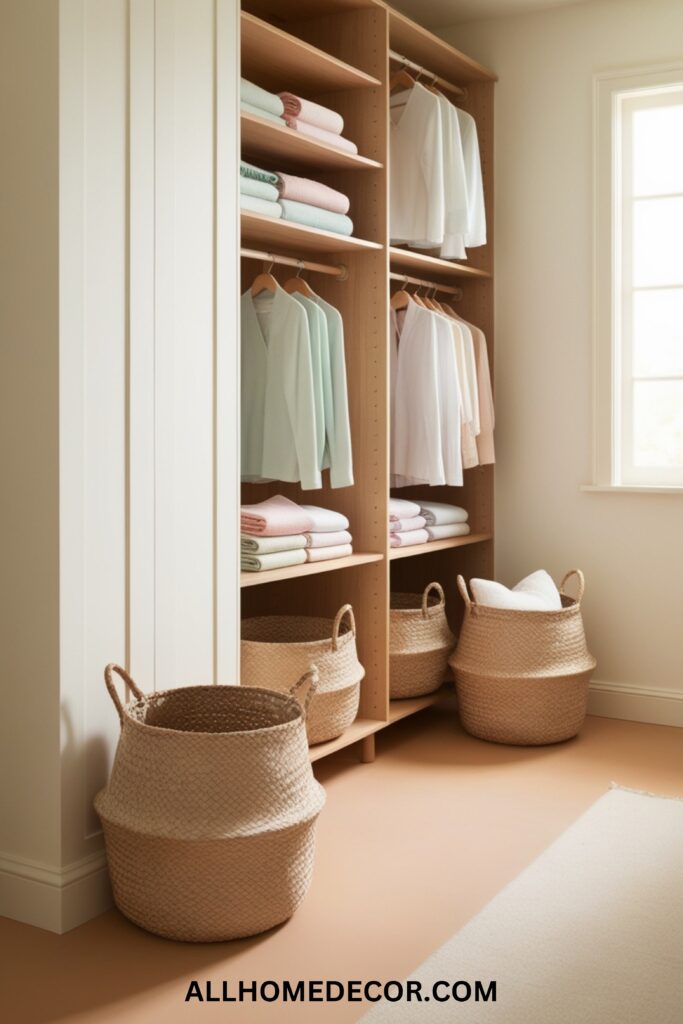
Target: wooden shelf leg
{"points": [[367, 749]]}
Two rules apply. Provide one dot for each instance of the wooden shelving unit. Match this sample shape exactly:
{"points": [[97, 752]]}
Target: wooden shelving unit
{"points": [[292, 572], [335, 52], [439, 545], [283, 147]]}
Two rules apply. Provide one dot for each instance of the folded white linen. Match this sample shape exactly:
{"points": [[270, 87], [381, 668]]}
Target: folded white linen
{"points": [[404, 525], [325, 520], [448, 530], [267, 545], [323, 554], [439, 514], [400, 508], [326, 540], [274, 560], [535, 593], [403, 540]]}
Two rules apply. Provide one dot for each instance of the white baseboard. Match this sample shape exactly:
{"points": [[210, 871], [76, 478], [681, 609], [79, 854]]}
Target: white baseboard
{"points": [[636, 703], [56, 900]]}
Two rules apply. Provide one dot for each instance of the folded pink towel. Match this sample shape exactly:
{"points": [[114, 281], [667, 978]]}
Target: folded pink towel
{"points": [[322, 554], [327, 540], [274, 517], [403, 540], [313, 113], [304, 190], [401, 508], [404, 525], [312, 130]]}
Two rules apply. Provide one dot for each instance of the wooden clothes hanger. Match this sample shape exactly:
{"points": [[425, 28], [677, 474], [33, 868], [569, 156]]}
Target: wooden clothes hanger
{"points": [[265, 282], [401, 78], [298, 285]]}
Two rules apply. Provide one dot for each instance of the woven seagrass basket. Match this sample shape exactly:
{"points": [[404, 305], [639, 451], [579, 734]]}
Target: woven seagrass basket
{"points": [[278, 648], [420, 642], [209, 816], [522, 676]]}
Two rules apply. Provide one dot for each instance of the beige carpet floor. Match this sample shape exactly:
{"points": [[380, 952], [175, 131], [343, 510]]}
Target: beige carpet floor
{"points": [[590, 933]]}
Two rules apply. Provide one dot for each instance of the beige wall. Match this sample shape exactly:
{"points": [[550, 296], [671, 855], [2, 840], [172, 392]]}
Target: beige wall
{"points": [[29, 435], [630, 546]]}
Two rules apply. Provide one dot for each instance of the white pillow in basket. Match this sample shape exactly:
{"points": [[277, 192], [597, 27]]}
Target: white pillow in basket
{"points": [[535, 593]]}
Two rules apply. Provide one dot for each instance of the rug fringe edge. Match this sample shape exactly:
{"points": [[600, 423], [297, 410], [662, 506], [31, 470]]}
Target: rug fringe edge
{"points": [[644, 792]]}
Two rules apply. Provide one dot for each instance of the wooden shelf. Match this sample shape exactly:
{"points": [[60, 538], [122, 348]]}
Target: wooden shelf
{"points": [[276, 60], [361, 728], [399, 709], [290, 572], [418, 264], [416, 43], [280, 147], [439, 545], [285, 235]]}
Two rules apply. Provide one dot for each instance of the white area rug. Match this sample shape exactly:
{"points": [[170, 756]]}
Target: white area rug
{"points": [[590, 933]]}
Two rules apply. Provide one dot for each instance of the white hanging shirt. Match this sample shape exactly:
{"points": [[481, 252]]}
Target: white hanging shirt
{"points": [[278, 405], [455, 184], [317, 332], [416, 168], [417, 448], [476, 213]]}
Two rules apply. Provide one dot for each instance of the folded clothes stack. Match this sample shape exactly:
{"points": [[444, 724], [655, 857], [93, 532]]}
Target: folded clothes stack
{"points": [[411, 522], [444, 520], [258, 191], [258, 101], [316, 121], [300, 200], [406, 524], [277, 532]]}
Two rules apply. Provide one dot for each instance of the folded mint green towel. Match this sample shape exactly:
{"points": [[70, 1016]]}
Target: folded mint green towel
{"points": [[268, 545], [259, 189], [257, 173], [263, 207], [316, 217], [261, 98], [259, 112], [276, 560]]}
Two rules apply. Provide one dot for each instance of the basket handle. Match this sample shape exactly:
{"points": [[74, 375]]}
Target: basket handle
{"points": [[132, 686], [464, 593], [313, 678], [582, 583], [425, 597], [345, 609]]}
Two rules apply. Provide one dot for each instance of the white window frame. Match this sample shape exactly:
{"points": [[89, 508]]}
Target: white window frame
{"points": [[613, 466]]}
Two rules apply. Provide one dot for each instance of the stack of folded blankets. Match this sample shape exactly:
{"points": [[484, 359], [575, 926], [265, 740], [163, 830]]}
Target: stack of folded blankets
{"points": [[261, 103], [277, 533], [316, 121], [413, 523], [258, 191], [303, 116], [301, 200]]}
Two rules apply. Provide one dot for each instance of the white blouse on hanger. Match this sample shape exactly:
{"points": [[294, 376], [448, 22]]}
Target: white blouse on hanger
{"points": [[338, 455], [416, 445], [278, 405], [416, 168], [455, 184], [476, 212]]}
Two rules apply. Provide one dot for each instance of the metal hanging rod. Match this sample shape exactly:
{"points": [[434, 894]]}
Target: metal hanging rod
{"points": [[340, 272], [457, 90], [447, 288]]}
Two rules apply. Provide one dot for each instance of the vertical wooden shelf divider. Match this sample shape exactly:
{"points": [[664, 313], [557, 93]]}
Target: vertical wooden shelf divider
{"points": [[361, 34]]}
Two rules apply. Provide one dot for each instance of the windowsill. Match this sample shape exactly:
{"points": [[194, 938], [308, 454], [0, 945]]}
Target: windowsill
{"points": [[629, 489]]}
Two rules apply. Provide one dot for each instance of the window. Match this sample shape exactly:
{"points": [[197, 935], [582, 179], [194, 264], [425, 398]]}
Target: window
{"points": [[639, 294]]}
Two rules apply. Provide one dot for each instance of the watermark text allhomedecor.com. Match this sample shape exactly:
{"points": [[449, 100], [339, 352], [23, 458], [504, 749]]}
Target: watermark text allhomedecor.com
{"points": [[411, 991]]}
